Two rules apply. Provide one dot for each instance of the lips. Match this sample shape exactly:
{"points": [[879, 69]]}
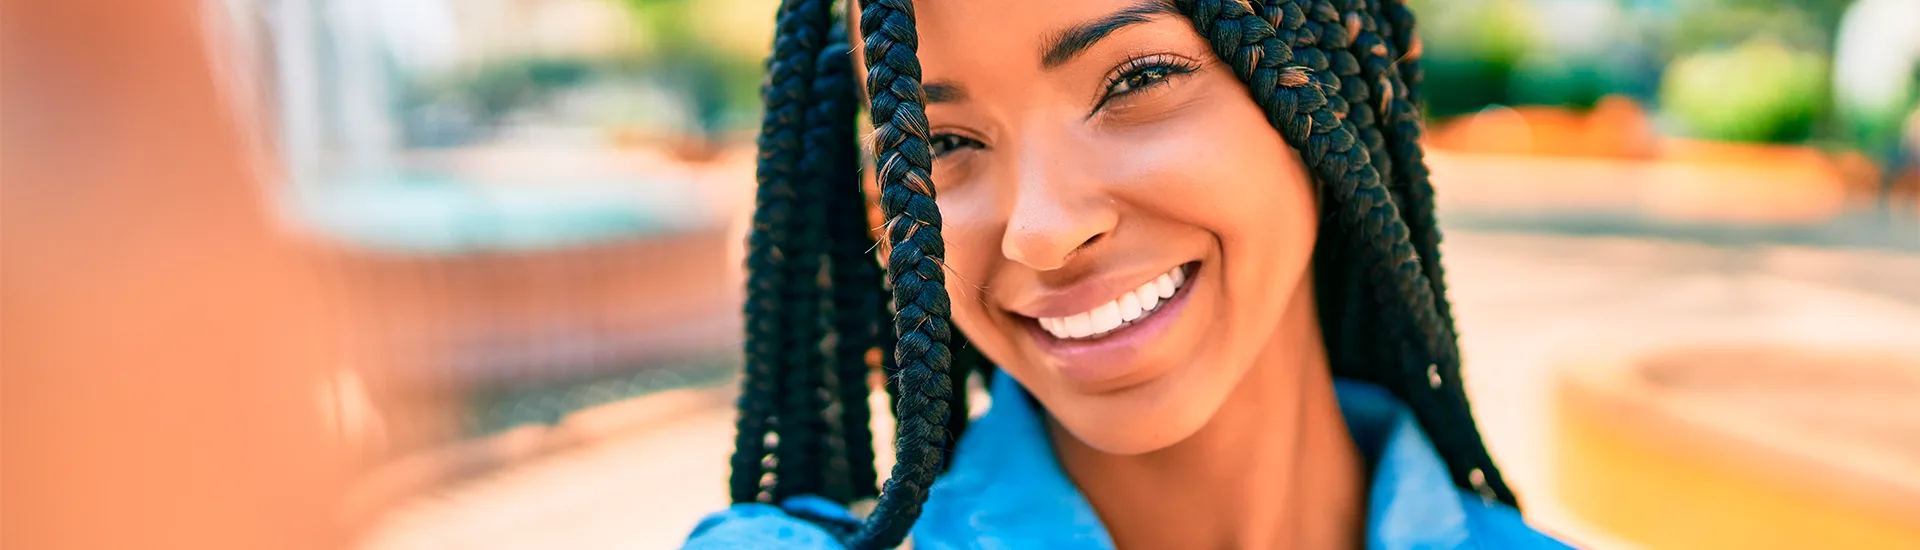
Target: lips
{"points": [[1126, 309], [1101, 345]]}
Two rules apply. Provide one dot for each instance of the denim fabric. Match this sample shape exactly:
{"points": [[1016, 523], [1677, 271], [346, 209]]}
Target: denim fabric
{"points": [[1006, 491]]}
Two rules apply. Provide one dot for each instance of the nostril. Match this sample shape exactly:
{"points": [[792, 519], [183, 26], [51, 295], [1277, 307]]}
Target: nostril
{"points": [[1089, 243]]}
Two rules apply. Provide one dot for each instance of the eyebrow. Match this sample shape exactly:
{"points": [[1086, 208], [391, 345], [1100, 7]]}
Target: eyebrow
{"points": [[1074, 40], [1066, 44], [944, 91]]}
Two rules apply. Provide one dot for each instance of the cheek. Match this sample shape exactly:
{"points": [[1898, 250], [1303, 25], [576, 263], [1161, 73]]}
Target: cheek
{"points": [[1268, 213], [1223, 170], [1267, 221], [973, 247], [1259, 200]]}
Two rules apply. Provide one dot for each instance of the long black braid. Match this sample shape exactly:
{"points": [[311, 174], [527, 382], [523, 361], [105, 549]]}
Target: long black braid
{"points": [[1336, 78], [853, 305], [904, 164], [782, 296]]}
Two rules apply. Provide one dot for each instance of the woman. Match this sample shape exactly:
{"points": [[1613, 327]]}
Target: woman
{"points": [[1190, 246]]}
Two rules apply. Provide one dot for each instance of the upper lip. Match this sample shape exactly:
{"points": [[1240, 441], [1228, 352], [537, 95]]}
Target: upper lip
{"points": [[1080, 295]]}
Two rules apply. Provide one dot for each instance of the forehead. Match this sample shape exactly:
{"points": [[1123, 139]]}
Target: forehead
{"points": [[967, 35]]}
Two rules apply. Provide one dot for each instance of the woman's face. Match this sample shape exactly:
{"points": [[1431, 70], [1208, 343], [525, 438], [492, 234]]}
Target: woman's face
{"points": [[1124, 229]]}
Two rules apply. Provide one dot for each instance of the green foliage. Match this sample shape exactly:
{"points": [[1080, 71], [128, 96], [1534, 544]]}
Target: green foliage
{"points": [[1876, 76], [1472, 48], [703, 61], [1747, 70], [1761, 91], [1564, 80], [1716, 24]]}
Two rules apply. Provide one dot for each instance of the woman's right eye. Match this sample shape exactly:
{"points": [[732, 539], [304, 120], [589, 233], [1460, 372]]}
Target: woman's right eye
{"points": [[948, 143]]}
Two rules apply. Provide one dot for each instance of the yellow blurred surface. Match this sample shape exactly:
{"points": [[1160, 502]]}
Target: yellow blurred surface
{"points": [[1757, 447]]}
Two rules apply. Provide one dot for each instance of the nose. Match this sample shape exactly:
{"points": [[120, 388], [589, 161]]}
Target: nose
{"points": [[1059, 207]]}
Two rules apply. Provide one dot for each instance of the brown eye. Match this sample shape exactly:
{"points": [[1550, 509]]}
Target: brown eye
{"points": [[947, 143], [1139, 79], [1143, 73]]}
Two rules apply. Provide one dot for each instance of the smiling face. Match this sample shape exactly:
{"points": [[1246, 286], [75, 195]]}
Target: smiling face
{"points": [[1124, 229]]}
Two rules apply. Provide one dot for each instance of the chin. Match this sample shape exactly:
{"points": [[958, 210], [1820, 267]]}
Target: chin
{"points": [[1133, 423], [1133, 438]]}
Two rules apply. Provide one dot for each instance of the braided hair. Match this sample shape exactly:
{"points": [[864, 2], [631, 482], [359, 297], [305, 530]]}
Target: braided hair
{"points": [[1337, 78]]}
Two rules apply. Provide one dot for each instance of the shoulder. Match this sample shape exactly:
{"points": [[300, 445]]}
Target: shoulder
{"points": [[768, 526], [1496, 525]]}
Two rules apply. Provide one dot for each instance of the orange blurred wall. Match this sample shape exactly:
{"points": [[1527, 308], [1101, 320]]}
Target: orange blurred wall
{"points": [[160, 348]]}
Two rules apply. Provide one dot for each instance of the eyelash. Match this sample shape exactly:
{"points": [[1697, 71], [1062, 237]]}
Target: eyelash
{"points": [[1161, 68], [943, 143]]}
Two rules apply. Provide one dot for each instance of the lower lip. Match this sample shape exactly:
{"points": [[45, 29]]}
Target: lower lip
{"points": [[1112, 356]]}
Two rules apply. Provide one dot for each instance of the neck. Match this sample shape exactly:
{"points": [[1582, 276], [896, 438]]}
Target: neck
{"points": [[1275, 468]]}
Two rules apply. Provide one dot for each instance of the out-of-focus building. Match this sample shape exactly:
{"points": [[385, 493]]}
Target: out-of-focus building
{"points": [[503, 249]]}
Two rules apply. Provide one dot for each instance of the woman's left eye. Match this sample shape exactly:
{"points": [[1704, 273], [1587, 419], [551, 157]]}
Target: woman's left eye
{"points": [[945, 143], [1143, 73], [1139, 79]]}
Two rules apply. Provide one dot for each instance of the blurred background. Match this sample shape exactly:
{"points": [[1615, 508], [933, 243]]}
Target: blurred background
{"points": [[429, 274]]}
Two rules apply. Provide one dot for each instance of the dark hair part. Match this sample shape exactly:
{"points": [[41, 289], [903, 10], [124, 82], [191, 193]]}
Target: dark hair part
{"points": [[1337, 78]]}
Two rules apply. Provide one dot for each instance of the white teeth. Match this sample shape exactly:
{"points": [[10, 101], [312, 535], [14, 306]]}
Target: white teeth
{"points": [[1106, 317], [1079, 326], [1129, 307]]}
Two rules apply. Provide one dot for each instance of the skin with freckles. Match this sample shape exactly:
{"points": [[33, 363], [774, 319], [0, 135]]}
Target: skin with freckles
{"points": [[1083, 148]]}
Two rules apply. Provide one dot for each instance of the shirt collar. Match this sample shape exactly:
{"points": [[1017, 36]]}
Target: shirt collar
{"points": [[1006, 489]]}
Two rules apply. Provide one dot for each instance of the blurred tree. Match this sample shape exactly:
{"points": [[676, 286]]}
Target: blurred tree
{"points": [[1471, 49], [1722, 47], [1572, 52], [1717, 24], [1876, 85], [711, 51], [1760, 91], [1877, 73], [1584, 50]]}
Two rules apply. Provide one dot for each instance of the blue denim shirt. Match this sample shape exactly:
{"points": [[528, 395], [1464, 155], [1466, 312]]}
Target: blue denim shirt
{"points": [[1006, 490]]}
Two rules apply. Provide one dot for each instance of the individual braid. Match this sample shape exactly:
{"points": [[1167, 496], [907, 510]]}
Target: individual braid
{"points": [[1340, 286], [1350, 34], [1363, 68], [802, 403], [854, 298], [774, 285], [1404, 127], [1338, 292], [889, 364], [1340, 32], [1454, 412], [1446, 414], [967, 361], [1397, 64], [914, 267], [1320, 45]]}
